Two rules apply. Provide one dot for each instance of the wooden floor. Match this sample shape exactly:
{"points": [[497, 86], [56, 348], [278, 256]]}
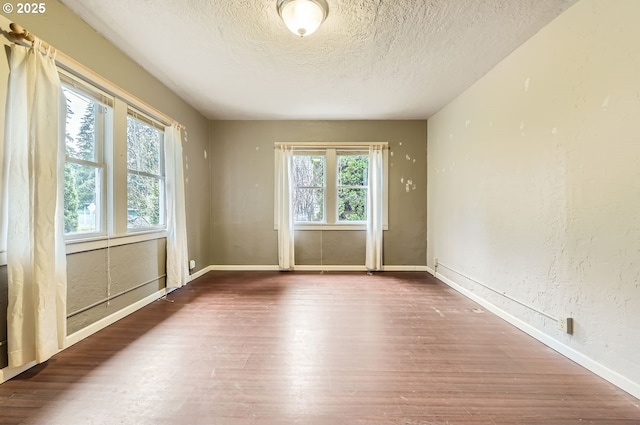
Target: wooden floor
{"points": [[311, 348]]}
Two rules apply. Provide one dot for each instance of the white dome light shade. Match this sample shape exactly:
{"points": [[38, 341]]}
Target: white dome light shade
{"points": [[302, 17]]}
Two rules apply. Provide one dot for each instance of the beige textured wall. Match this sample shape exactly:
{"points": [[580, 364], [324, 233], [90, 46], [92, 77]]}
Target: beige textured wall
{"points": [[533, 183], [242, 180]]}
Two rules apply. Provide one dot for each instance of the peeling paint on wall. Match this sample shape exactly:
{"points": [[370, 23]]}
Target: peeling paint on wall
{"points": [[553, 223]]}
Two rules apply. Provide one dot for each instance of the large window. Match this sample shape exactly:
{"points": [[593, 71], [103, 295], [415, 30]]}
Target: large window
{"points": [[145, 174], [84, 172], [330, 188], [114, 179]]}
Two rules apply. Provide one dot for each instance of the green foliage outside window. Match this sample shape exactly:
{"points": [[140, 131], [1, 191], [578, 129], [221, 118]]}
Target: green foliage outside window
{"points": [[81, 190], [70, 201], [352, 187]]}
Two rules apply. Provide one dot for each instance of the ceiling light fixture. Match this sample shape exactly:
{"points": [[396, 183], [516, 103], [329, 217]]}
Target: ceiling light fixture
{"points": [[303, 17]]}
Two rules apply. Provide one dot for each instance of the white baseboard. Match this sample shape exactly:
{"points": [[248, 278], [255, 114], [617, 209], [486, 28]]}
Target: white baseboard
{"points": [[615, 378], [405, 268], [112, 318], [244, 267], [315, 268], [11, 372], [431, 271], [200, 273], [328, 268]]}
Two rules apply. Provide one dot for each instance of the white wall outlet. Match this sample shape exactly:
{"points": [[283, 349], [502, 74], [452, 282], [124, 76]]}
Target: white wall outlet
{"points": [[566, 324], [192, 264], [435, 261]]}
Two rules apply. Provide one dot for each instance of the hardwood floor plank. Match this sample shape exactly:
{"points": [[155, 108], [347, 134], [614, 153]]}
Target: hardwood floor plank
{"points": [[309, 348]]}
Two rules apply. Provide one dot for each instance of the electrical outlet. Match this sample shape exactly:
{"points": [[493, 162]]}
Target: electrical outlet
{"points": [[192, 264], [435, 261], [566, 324]]}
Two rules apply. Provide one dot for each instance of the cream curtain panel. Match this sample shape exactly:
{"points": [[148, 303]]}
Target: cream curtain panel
{"points": [[375, 209], [177, 254], [285, 219], [32, 200]]}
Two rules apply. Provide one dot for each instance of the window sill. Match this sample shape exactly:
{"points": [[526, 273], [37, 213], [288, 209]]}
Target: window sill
{"points": [[309, 226], [75, 246]]}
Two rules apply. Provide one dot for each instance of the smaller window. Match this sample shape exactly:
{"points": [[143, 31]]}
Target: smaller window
{"points": [[309, 192], [353, 183], [145, 174]]}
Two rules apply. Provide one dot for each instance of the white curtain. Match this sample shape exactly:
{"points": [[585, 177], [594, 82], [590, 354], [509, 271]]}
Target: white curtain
{"points": [[284, 191], [375, 209], [177, 254], [32, 199]]}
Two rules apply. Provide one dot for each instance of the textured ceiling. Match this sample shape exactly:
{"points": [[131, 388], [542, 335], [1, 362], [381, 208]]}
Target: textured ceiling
{"points": [[371, 59]]}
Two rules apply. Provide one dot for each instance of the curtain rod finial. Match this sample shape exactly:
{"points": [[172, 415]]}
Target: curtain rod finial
{"points": [[16, 27]]}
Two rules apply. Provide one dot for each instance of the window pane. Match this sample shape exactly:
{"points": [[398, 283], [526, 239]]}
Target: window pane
{"points": [[352, 204], [308, 181], [82, 209], [353, 170], [144, 202], [308, 205], [80, 130], [353, 177], [308, 170], [144, 147]]}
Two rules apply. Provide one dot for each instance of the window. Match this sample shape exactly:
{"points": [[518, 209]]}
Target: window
{"points": [[353, 182], [84, 172], [309, 188], [114, 185], [145, 173], [330, 188]]}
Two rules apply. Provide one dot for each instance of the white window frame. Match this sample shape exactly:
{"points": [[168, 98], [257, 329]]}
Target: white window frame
{"points": [[103, 143], [320, 153], [336, 189], [331, 151]]}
